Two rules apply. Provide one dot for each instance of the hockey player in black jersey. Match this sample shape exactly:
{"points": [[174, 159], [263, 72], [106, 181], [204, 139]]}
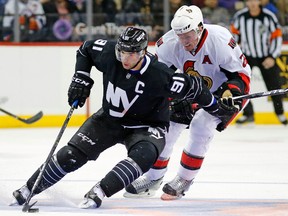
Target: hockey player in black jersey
{"points": [[135, 112]]}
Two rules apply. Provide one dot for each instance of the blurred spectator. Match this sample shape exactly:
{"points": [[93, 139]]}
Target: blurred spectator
{"points": [[199, 3], [270, 6], [62, 15], [176, 4], [110, 9], [282, 5], [31, 20], [130, 13], [214, 14], [2, 7], [229, 4], [146, 12], [99, 17]]}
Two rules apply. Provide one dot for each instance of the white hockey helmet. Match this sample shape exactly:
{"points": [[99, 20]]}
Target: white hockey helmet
{"points": [[187, 18]]}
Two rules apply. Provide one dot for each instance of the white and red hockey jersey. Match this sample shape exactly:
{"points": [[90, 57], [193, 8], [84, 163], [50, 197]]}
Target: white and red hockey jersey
{"points": [[216, 55]]}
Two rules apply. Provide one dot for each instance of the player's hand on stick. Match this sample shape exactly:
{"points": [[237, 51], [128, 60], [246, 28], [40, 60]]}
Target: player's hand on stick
{"points": [[225, 110], [79, 89], [228, 94]]}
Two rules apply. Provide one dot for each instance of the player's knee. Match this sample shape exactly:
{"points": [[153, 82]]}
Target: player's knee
{"points": [[71, 158], [144, 153]]}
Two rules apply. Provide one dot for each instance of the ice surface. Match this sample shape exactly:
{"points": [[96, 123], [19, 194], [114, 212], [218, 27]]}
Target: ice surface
{"points": [[244, 173]]}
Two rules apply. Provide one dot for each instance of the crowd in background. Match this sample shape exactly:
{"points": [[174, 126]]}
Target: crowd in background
{"points": [[62, 20]]}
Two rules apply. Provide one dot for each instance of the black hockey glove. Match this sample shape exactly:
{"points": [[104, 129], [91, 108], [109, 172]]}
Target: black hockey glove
{"points": [[79, 89], [225, 110], [181, 111], [231, 88]]}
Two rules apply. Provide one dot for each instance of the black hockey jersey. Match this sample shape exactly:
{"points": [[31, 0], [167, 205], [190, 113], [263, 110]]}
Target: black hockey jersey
{"points": [[134, 99]]}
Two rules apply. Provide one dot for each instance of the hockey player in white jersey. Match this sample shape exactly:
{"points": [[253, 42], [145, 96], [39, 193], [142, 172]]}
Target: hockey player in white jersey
{"points": [[210, 52]]}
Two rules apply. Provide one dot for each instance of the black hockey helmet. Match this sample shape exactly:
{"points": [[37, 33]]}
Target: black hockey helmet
{"points": [[132, 40]]}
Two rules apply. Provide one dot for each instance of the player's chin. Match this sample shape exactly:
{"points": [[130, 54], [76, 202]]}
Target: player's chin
{"points": [[189, 48], [126, 66]]}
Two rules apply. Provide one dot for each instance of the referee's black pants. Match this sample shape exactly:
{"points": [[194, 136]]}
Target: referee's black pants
{"points": [[272, 81]]}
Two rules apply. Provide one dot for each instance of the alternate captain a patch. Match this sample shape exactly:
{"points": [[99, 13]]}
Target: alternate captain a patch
{"points": [[159, 42]]}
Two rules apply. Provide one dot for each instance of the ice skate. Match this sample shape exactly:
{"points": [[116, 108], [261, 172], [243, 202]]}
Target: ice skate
{"points": [[175, 189], [142, 187], [282, 118], [20, 196], [245, 120], [93, 199]]}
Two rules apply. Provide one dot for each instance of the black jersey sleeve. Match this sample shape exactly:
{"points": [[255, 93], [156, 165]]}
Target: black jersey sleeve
{"points": [[96, 53], [84, 62], [190, 87]]}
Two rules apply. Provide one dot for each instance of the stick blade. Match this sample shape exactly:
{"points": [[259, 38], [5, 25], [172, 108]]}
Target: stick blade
{"points": [[34, 118], [28, 208]]}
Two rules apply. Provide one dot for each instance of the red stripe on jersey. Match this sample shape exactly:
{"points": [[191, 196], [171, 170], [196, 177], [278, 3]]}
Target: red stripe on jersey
{"points": [[202, 40], [232, 86], [161, 164], [191, 162], [246, 81]]}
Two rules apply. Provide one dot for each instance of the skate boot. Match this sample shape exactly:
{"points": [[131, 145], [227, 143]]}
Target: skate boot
{"points": [[282, 118], [175, 189], [93, 199], [20, 196], [142, 187], [245, 120]]}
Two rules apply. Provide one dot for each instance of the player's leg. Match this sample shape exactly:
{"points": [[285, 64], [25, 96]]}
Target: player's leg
{"points": [[144, 146], [150, 182], [201, 132], [52, 174], [248, 111], [70, 157], [248, 114], [272, 81]]}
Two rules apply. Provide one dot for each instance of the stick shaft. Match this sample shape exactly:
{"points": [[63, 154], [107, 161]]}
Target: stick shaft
{"points": [[26, 206], [262, 94], [27, 121]]}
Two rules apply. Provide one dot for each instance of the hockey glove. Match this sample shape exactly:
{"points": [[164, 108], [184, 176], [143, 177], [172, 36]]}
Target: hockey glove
{"points": [[225, 110], [181, 111], [231, 89], [79, 89]]}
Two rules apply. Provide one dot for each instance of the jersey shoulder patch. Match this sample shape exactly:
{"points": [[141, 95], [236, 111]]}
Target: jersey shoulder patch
{"points": [[159, 42], [232, 43]]}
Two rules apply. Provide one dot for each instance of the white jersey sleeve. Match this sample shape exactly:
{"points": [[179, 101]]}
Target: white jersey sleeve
{"points": [[230, 56], [166, 54]]}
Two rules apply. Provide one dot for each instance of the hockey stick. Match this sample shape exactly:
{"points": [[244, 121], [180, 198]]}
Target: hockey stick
{"points": [[28, 207], [26, 121], [262, 94]]}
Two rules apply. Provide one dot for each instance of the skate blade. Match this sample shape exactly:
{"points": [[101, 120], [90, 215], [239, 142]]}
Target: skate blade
{"points": [[87, 204], [147, 194], [168, 197], [14, 202]]}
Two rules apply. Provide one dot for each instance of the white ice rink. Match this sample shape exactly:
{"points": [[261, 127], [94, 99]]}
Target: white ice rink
{"points": [[245, 173]]}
